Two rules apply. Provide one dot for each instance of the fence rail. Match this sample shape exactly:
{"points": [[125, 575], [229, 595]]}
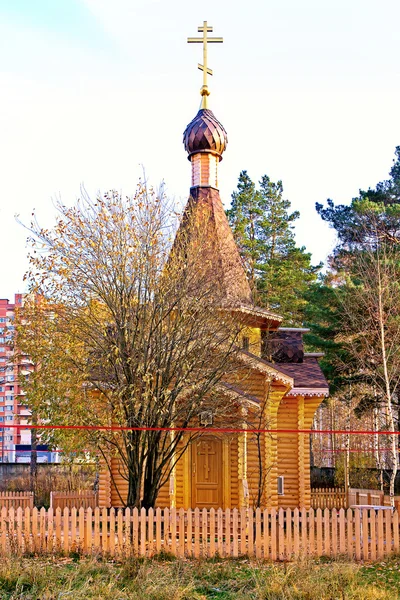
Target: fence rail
{"points": [[16, 499], [84, 499], [269, 534]]}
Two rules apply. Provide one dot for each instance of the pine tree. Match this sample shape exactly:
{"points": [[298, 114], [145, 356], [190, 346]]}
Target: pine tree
{"points": [[365, 267], [279, 271], [353, 224], [244, 216]]}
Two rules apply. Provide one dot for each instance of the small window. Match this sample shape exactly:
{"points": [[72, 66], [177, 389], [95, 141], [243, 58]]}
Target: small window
{"points": [[281, 488], [245, 343]]}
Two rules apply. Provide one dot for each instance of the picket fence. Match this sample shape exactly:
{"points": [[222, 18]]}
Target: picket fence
{"points": [[267, 534], [365, 496], [16, 499], [84, 498], [329, 498], [336, 498]]}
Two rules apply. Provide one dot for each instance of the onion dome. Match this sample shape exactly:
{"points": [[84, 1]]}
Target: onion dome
{"points": [[205, 134]]}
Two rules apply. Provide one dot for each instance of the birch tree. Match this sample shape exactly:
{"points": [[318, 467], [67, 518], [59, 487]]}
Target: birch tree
{"points": [[371, 323]]}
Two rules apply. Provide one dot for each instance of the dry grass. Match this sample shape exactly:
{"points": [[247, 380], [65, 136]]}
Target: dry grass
{"points": [[39, 578]]}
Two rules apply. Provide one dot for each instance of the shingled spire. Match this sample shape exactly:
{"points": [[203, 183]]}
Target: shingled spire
{"points": [[205, 220], [205, 140]]}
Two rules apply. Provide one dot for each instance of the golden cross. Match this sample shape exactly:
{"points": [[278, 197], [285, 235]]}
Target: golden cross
{"points": [[206, 71]]}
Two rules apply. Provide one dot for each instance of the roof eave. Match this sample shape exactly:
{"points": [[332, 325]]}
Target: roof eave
{"points": [[260, 365], [309, 392]]}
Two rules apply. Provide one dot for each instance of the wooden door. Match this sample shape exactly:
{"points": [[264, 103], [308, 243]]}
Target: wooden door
{"points": [[207, 473]]}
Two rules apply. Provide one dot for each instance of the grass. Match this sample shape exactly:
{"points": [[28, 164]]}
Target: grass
{"points": [[73, 578]]}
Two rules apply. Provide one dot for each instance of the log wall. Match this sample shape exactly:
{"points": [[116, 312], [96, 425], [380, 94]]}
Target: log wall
{"points": [[288, 452]]}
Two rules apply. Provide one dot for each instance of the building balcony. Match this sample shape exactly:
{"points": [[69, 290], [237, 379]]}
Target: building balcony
{"points": [[25, 412]]}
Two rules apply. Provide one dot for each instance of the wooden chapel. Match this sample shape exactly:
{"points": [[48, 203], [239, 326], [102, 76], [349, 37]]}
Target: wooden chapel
{"points": [[222, 470]]}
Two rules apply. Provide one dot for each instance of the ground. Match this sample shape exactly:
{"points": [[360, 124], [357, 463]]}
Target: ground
{"points": [[60, 578]]}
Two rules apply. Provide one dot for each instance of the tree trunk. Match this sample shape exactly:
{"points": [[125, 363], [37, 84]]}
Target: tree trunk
{"points": [[347, 455], [33, 463], [389, 404], [135, 474], [133, 497], [151, 484], [378, 461]]}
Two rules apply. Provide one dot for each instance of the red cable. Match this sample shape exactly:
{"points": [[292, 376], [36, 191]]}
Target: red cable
{"points": [[199, 429]]}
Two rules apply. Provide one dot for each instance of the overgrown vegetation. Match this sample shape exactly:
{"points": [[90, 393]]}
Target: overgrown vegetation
{"points": [[51, 478], [196, 580]]}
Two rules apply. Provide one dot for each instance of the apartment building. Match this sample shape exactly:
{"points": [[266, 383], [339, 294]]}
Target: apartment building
{"points": [[15, 437]]}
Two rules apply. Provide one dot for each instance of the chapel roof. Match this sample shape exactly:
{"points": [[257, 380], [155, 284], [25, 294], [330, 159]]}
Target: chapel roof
{"points": [[205, 134], [271, 369], [307, 375], [238, 392], [204, 210], [305, 378]]}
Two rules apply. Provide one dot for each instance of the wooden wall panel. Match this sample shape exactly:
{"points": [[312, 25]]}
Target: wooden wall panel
{"points": [[119, 482], [274, 394], [253, 468], [310, 406], [233, 445], [181, 479], [288, 452], [254, 336], [163, 496], [104, 486], [251, 382], [301, 456]]}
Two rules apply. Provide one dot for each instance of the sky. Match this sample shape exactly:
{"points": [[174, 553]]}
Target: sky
{"points": [[94, 92]]}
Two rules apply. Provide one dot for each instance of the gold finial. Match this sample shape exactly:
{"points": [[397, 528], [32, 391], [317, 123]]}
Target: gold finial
{"points": [[204, 91]]}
